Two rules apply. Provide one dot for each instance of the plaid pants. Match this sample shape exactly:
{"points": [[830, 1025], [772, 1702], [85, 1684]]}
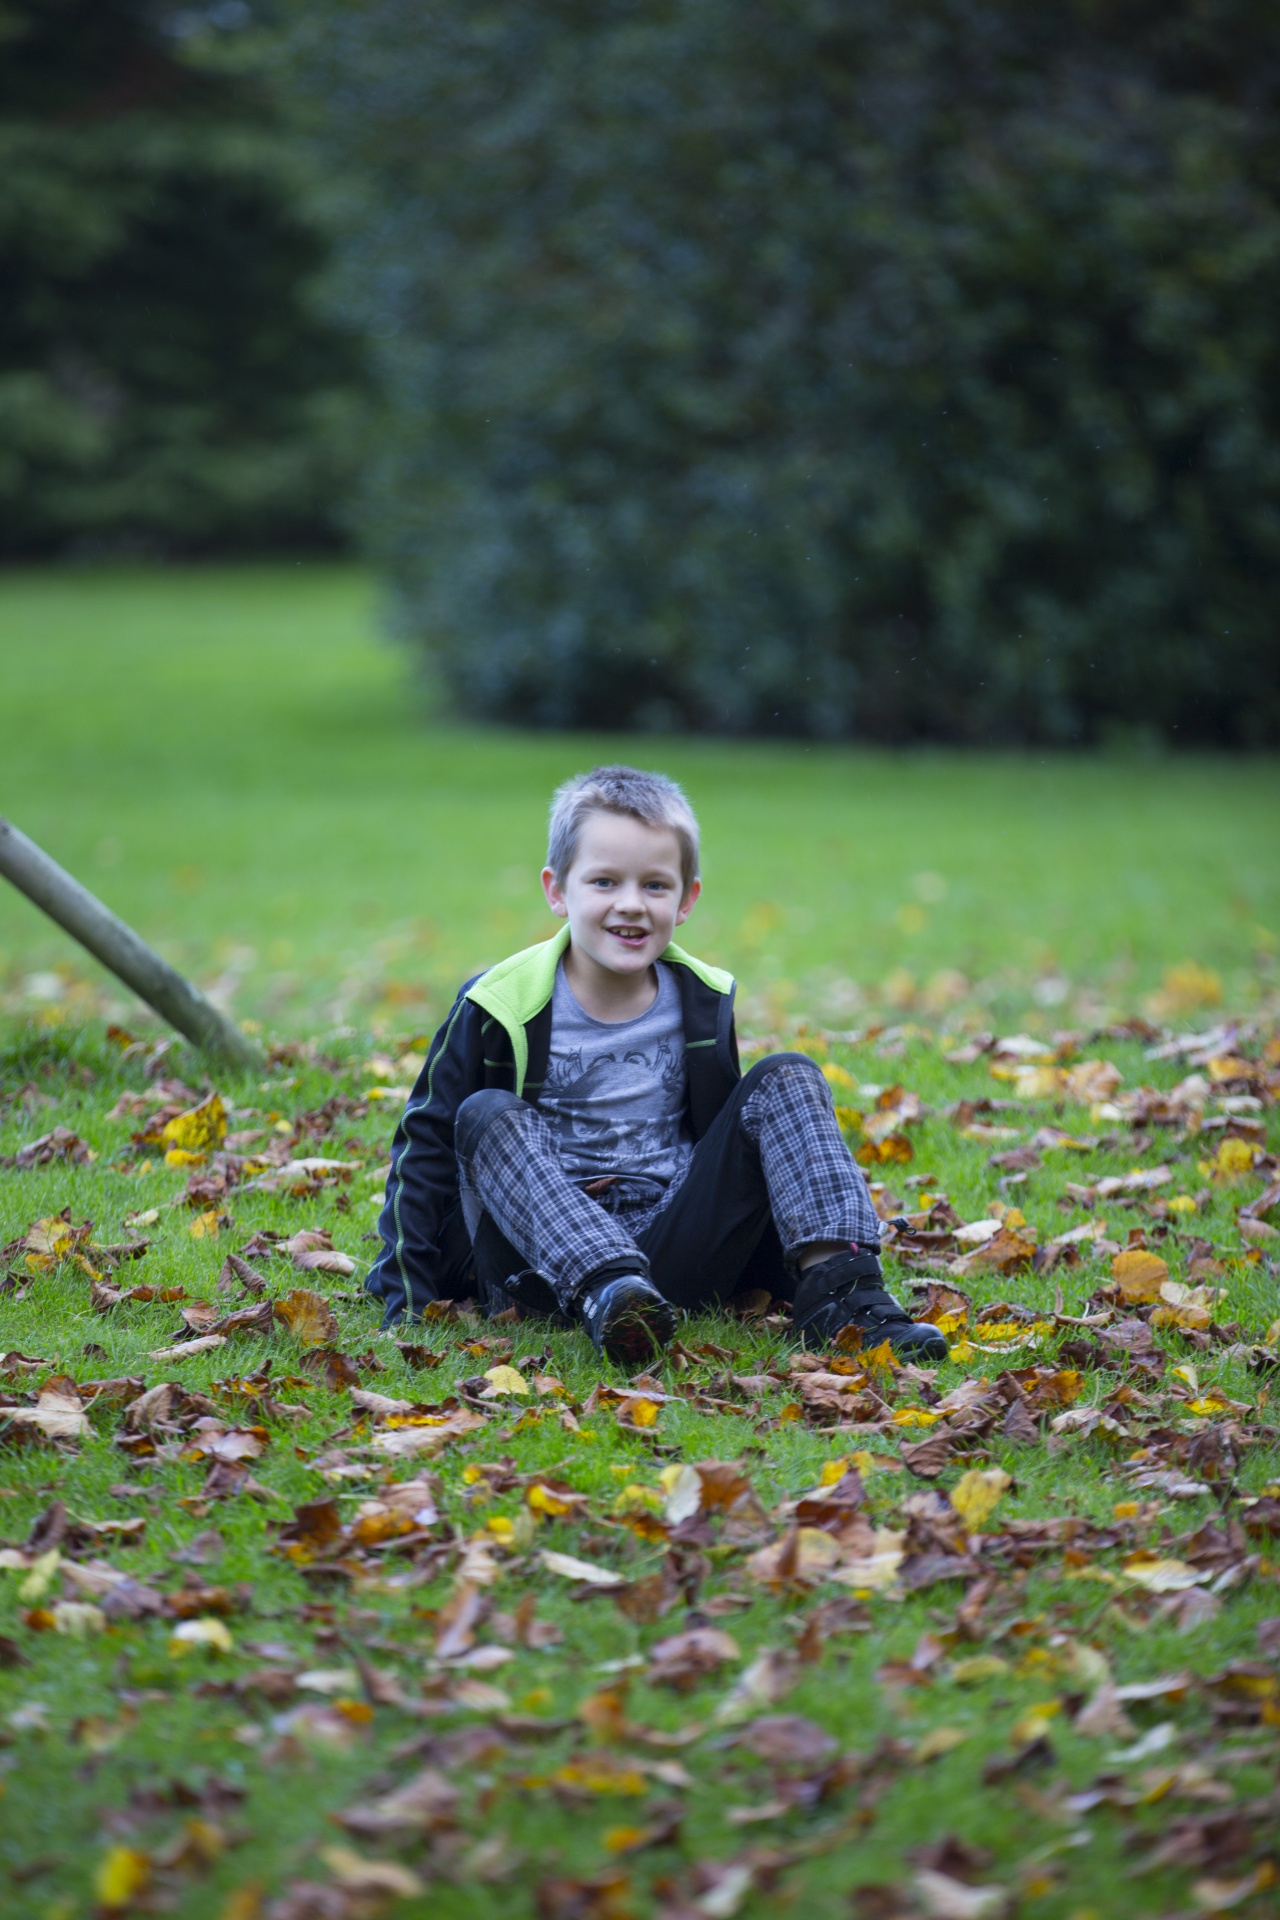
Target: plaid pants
{"points": [[771, 1176]]}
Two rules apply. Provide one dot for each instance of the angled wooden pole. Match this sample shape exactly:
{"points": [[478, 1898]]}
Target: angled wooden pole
{"points": [[82, 915]]}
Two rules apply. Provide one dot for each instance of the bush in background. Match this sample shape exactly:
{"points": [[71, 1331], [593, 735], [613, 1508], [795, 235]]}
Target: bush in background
{"points": [[164, 380], [901, 368]]}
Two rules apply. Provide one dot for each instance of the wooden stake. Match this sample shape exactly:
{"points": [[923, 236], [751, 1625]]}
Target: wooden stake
{"points": [[52, 889]]}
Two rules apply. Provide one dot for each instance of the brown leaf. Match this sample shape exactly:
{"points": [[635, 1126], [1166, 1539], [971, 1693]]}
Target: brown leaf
{"points": [[928, 1458], [1005, 1252], [308, 1316], [686, 1658], [603, 1897], [235, 1269], [61, 1144], [315, 1530], [424, 1804], [787, 1740]]}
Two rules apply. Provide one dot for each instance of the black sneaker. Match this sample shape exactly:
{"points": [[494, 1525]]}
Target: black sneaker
{"points": [[848, 1289], [627, 1318]]}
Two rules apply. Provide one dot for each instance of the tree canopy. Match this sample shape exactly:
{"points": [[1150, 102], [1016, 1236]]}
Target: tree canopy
{"points": [[164, 379], [900, 368]]}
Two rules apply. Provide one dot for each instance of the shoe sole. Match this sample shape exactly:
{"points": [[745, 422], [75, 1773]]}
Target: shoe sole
{"points": [[909, 1346]]}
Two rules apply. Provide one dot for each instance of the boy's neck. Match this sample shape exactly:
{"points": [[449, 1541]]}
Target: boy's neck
{"points": [[611, 997]]}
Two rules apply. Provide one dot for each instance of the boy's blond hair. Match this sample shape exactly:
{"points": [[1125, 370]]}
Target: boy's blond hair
{"points": [[648, 797]]}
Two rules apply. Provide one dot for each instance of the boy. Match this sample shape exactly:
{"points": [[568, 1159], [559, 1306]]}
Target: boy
{"points": [[582, 1142]]}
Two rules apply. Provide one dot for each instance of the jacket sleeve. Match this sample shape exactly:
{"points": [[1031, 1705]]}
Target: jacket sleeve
{"points": [[420, 1223]]}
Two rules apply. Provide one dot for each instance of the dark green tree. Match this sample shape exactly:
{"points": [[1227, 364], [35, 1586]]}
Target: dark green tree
{"points": [[165, 379], [902, 368]]}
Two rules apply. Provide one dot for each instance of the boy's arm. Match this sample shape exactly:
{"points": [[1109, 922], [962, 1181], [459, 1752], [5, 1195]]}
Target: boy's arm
{"points": [[420, 1223]]}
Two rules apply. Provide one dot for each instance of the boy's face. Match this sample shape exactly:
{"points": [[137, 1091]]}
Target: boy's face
{"points": [[623, 894]]}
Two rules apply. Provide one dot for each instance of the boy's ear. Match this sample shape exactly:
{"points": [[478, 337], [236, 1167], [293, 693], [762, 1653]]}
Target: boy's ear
{"points": [[555, 899], [689, 902]]}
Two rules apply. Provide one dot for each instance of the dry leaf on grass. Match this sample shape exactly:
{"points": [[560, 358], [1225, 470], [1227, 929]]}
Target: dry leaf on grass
{"points": [[1139, 1275], [200, 1130], [57, 1415], [308, 1316]]}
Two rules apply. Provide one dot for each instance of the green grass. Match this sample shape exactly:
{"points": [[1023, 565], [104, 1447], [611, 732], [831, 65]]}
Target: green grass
{"points": [[129, 1737], [244, 771]]}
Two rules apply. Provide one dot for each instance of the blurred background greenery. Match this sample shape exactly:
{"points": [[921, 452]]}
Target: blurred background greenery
{"points": [[226, 755], [899, 370], [853, 378]]}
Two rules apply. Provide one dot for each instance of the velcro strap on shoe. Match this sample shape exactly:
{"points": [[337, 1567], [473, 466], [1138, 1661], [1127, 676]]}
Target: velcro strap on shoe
{"points": [[834, 1279]]}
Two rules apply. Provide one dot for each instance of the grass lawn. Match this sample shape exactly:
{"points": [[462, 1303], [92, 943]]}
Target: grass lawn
{"points": [[264, 1631], [241, 768], [1078, 1687]]}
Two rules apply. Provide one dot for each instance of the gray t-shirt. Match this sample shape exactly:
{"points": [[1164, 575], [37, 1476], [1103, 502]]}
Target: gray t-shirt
{"points": [[614, 1093]]}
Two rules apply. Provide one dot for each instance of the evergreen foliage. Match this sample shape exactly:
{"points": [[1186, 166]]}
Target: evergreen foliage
{"points": [[164, 381], [900, 368]]}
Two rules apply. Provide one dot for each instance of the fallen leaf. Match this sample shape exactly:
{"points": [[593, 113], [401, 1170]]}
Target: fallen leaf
{"points": [[58, 1413], [122, 1873], [1139, 1275], [200, 1130], [686, 1658], [377, 1878], [977, 1494], [308, 1316], [587, 1571], [504, 1380]]}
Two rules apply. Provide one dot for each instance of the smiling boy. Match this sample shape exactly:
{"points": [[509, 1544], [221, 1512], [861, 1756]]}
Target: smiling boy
{"points": [[582, 1142]]}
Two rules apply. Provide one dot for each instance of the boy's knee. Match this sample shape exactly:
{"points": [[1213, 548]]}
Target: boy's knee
{"points": [[477, 1113], [776, 1064]]}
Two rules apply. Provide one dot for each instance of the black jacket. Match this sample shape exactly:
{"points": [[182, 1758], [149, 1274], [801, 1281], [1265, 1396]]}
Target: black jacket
{"points": [[498, 1034]]}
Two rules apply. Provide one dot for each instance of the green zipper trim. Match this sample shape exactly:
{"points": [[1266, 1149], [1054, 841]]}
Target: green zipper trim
{"points": [[517, 989]]}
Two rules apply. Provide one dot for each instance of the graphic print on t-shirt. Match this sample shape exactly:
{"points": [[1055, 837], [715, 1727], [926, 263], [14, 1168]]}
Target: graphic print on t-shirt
{"points": [[614, 1092]]}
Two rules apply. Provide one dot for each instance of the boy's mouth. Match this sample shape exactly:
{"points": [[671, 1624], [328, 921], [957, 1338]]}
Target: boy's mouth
{"points": [[629, 936]]}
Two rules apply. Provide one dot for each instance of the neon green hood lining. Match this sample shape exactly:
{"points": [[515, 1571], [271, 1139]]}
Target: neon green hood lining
{"points": [[517, 989]]}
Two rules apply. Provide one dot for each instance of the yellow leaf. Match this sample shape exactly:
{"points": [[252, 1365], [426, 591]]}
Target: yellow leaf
{"points": [[637, 1499], [915, 1417], [834, 1471], [245, 1903], [1182, 1203], [1034, 1724], [640, 1412], [937, 1742], [893, 1147], [204, 1226], [1160, 1576], [1209, 1403], [504, 1380], [122, 1872], [977, 1670], [200, 1130], [1139, 1275], [208, 1631], [838, 1077], [181, 1157], [40, 1577], [601, 1775], [1233, 1158], [978, 1494], [882, 1358], [623, 1839], [547, 1500]]}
